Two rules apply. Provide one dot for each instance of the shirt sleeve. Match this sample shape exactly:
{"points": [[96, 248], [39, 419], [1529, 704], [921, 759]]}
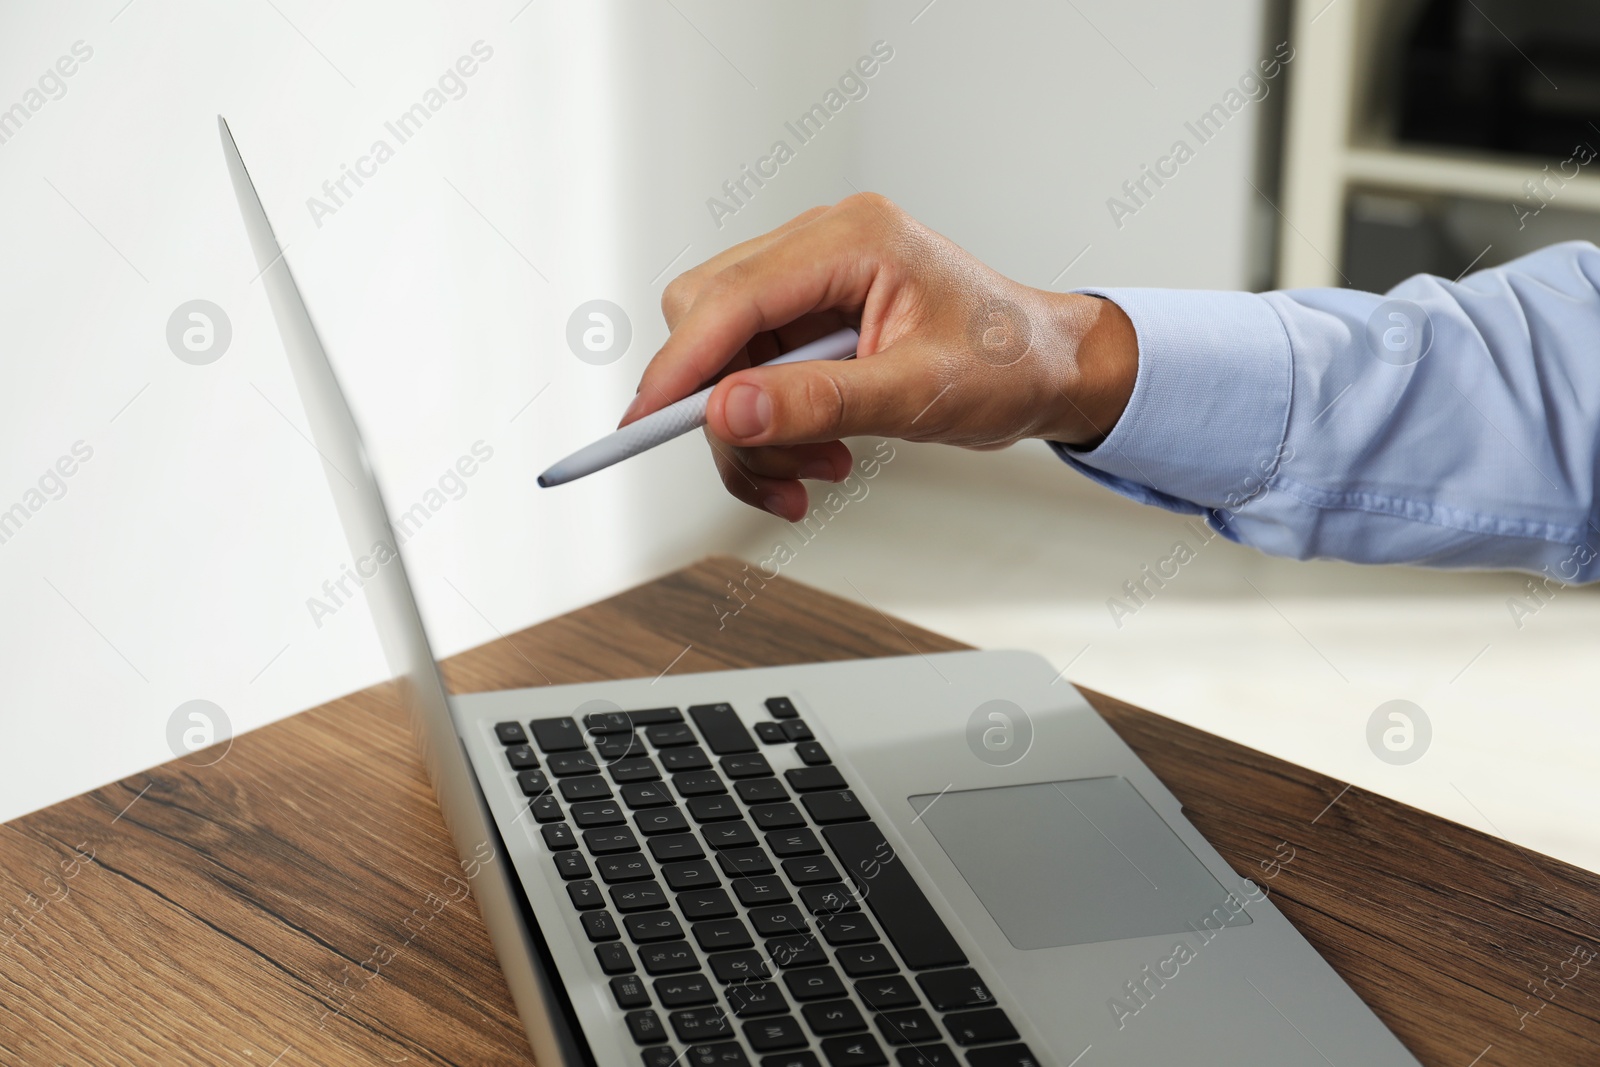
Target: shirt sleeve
{"points": [[1445, 424]]}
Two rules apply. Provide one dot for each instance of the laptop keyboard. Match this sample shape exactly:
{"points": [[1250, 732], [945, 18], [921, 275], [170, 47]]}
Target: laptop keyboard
{"points": [[746, 917]]}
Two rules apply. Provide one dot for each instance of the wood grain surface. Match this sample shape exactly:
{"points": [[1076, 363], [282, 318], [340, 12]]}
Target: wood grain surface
{"points": [[289, 899]]}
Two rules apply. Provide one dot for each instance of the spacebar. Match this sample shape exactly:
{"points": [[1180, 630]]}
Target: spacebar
{"points": [[915, 929]]}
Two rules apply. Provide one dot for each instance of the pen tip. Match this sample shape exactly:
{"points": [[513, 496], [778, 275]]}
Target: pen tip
{"points": [[543, 482]]}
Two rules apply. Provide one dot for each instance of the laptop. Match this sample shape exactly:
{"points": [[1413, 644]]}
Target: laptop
{"points": [[926, 861]]}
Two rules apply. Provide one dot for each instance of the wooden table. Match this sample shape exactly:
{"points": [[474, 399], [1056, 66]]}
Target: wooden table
{"points": [[264, 909]]}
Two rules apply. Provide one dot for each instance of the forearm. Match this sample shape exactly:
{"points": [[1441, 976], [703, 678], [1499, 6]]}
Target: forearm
{"points": [[1275, 416]]}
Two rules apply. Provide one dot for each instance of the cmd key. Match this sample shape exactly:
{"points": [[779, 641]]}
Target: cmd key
{"points": [[719, 724]]}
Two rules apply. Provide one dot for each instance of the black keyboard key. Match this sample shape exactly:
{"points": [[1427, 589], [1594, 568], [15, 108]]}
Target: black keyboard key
{"points": [[761, 791], [907, 918], [791, 1059], [755, 998], [654, 716], [765, 889], [777, 816], [827, 808], [678, 760], [861, 961], [751, 766], [783, 919], [634, 769], [645, 1026], [857, 1050], [700, 904], [588, 813], [719, 724], [692, 874], [781, 708], [1018, 1055], [607, 722], [638, 896], [833, 1017], [558, 735], [714, 809], [815, 983], [572, 764], [558, 837], [671, 957], [629, 992], [744, 862], [646, 795], [787, 843], [653, 926], [589, 787], [545, 809], [775, 1035], [585, 895], [721, 935], [795, 730], [980, 1027], [521, 757], [952, 990], [600, 926], [533, 783], [812, 754], [771, 733], [685, 991], [660, 821], [659, 1056], [698, 783], [729, 835], [827, 899], [795, 950], [909, 1026], [614, 958], [610, 839], [671, 736], [674, 847], [628, 867], [510, 733], [613, 747], [572, 865], [930, 1056], [809, 779], [810, 870], [739, 966], [887, 993], [847, 928], [729, 1055]]}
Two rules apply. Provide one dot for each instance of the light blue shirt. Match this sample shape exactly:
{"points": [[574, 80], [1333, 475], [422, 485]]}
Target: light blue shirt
{"points": [[1447, 424]]}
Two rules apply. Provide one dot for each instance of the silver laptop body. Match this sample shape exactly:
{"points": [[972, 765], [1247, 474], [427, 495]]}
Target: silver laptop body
{"points": [[927, 861]]}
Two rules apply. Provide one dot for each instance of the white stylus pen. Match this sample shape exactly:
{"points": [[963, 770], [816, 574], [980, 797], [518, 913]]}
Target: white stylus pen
{"points": [[677, 419]]}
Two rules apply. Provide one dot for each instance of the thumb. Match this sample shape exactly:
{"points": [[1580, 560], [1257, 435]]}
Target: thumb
{"points": [[804, 403]]}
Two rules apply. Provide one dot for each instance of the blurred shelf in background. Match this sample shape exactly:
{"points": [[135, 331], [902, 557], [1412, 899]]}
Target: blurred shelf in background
{"points": [[1428, 135]]}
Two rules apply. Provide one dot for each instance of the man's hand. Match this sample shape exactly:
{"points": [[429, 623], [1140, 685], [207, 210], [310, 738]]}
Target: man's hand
{"points": [[950, 351]]}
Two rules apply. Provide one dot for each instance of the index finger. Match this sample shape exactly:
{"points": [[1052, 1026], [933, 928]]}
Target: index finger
{"points": [[818, 266]]}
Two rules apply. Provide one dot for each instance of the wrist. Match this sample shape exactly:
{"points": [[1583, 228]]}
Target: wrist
{"points": [[1095, 365]]}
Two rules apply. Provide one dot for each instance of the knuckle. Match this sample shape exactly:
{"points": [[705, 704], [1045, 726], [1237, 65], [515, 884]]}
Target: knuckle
{"points": [[823, 405], [678, 296], [729, 280]]}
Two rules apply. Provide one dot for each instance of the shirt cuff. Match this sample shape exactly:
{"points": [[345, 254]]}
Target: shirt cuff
{"points": [[1210, 406]]}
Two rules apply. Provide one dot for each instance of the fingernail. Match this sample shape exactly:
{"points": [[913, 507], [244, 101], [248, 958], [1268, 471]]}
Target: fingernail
{"points": [[748, 410], [773, 503], [818, 470]]}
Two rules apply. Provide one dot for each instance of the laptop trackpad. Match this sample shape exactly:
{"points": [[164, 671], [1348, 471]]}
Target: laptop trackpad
{"points": [[1069, 863]]}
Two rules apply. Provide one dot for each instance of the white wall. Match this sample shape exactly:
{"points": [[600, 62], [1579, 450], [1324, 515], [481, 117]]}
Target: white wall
{"points": [[179, 561]]}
